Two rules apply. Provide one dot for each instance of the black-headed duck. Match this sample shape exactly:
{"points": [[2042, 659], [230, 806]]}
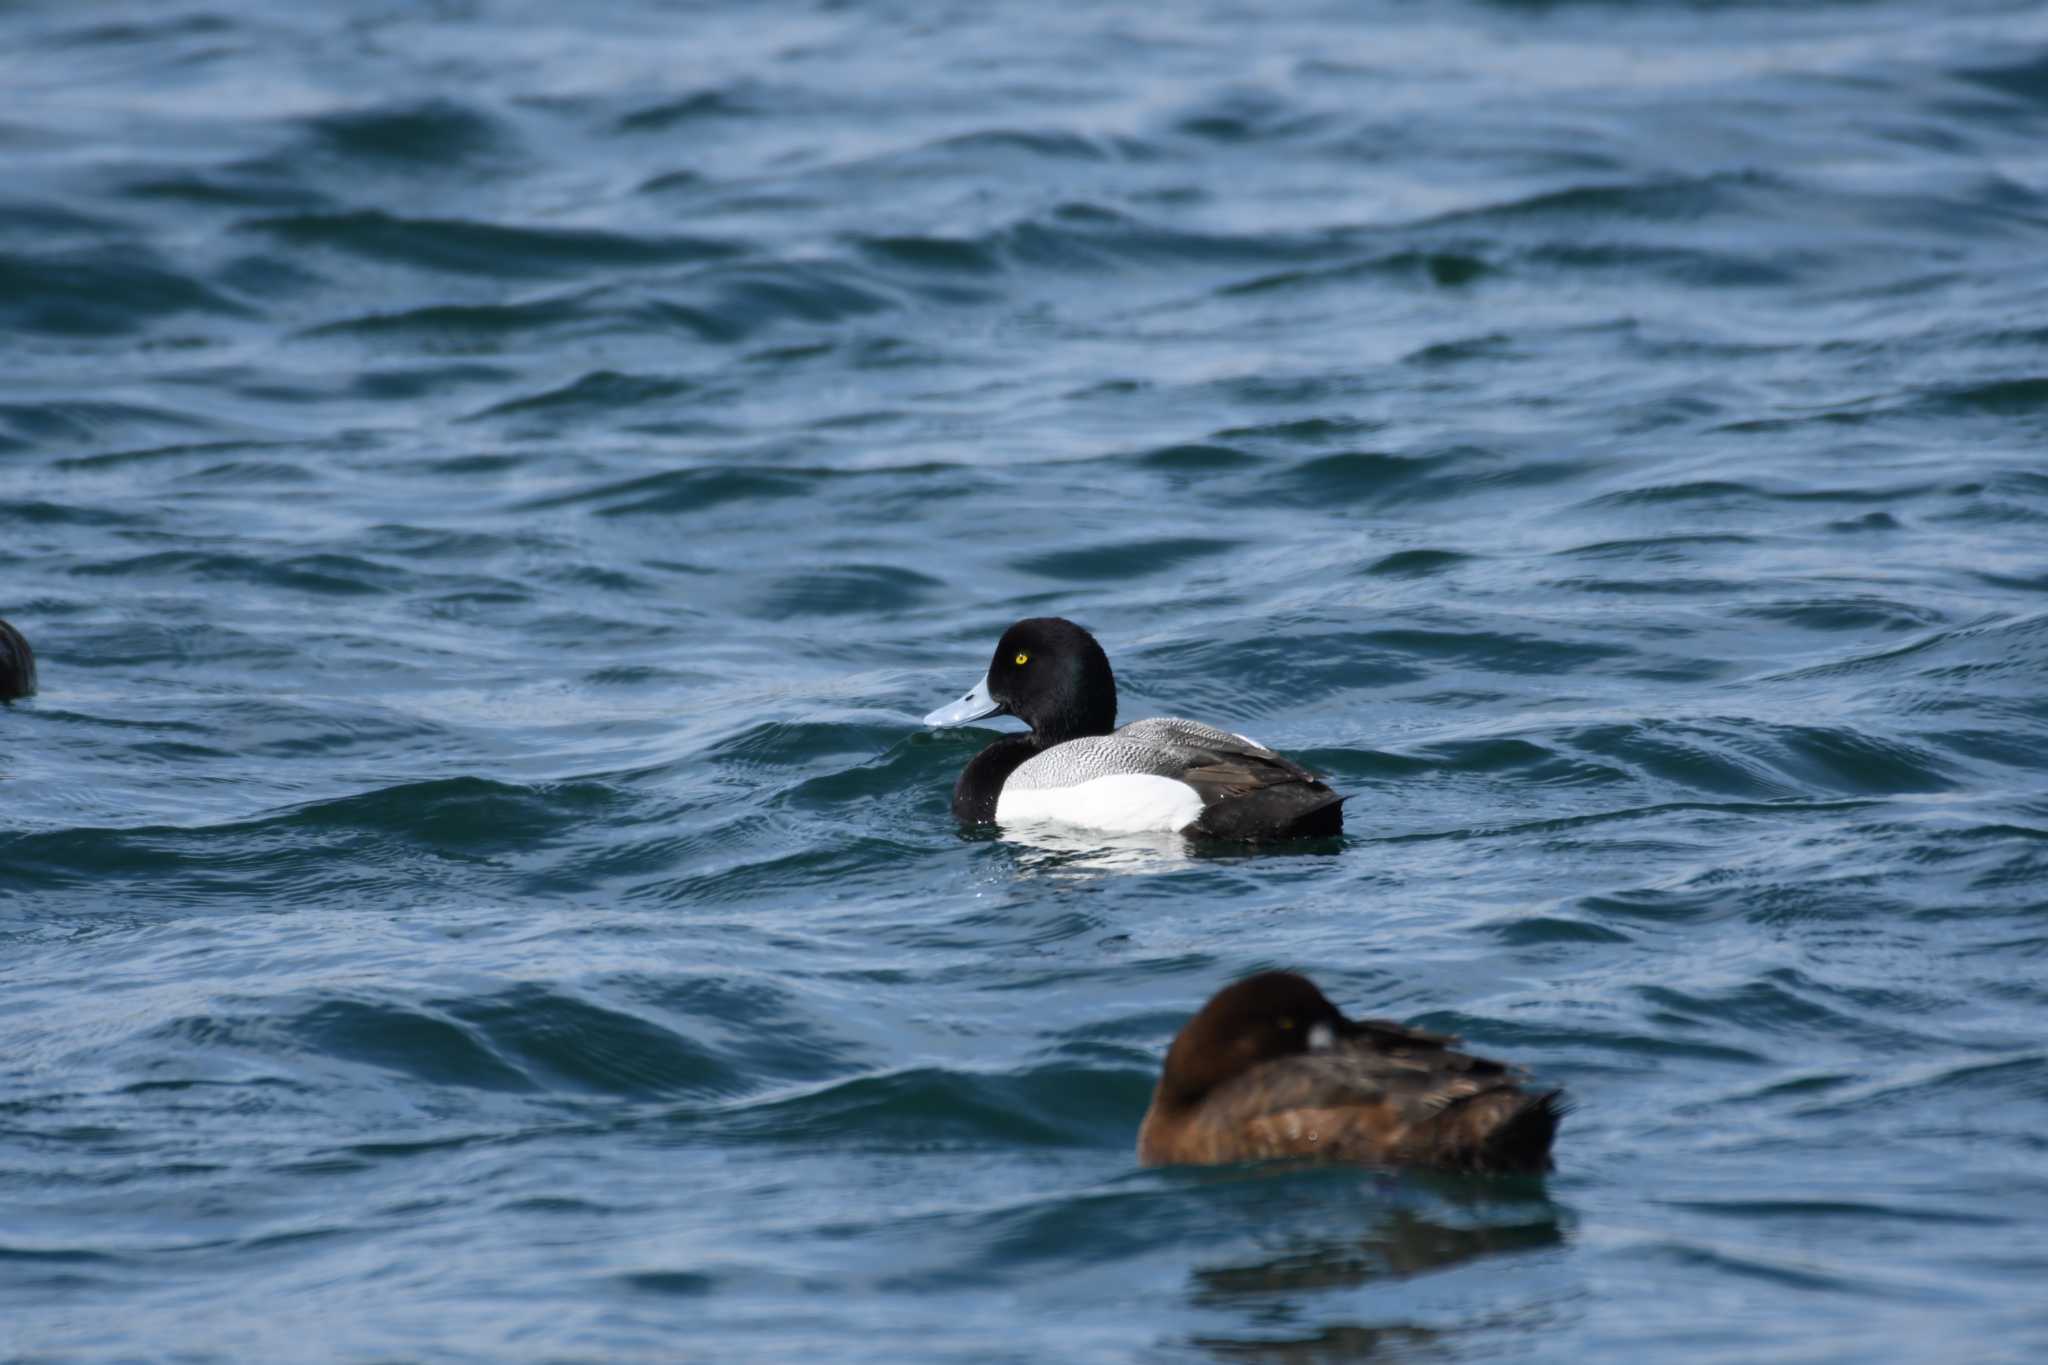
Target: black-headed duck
{"points": [[1076, 767]]}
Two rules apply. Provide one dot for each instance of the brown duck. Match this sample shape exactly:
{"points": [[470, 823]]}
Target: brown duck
{"points": [[1270, 1069]]}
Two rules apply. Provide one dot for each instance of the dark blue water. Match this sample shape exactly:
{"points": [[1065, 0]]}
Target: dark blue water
{"points": [[493, 487]]}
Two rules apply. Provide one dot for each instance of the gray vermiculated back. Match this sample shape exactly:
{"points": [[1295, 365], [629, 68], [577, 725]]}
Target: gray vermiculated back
{"points": [[1162, 746]]}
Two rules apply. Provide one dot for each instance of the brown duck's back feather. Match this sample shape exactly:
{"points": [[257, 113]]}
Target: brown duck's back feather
{"points": [[1385, 1095]]}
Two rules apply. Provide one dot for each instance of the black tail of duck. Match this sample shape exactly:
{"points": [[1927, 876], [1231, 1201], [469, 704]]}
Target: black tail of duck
{"points": [[1302, 809], [1270, 1070]]}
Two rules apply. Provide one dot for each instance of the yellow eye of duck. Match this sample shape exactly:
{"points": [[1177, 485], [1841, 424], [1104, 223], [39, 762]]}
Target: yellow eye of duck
{"points": [[1022, 658], [1287, 1024]]}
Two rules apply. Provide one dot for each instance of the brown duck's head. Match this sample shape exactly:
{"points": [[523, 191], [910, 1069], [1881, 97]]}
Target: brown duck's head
{"points": [[1259, 1019]]}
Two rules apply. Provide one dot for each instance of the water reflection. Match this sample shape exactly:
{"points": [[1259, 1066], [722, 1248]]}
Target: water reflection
{"points": [[1343, 1341], [1067, 849], [1428, 1224], [1406, 1243], [1056, 850]]}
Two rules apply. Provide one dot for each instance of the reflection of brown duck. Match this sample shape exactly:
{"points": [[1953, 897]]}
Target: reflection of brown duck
{"points": [[1402, 1244], [17, 664], [1270, 1069], [1338, 1341], [1460, 1221]]}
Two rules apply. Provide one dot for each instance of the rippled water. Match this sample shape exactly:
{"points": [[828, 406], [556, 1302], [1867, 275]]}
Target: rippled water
{"points": [[493, 487]]}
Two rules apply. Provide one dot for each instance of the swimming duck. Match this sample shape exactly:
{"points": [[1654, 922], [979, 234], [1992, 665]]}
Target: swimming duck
{"points": [[1270, 1069], [1075, 766], [17, 664]]}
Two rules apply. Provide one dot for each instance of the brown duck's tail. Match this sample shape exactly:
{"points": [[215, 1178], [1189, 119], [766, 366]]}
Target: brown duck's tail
{"points": [[17, 664], [1521, 1140], [1502, 1131]]}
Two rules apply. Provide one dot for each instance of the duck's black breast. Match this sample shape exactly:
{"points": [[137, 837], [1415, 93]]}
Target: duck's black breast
{"points": [[981, 781]]}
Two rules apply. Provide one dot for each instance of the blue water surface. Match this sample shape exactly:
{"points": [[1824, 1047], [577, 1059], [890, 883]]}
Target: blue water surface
{"points": [[494, 485]]}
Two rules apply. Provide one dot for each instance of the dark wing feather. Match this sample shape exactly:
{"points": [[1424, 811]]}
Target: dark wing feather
{"points": [[1248, 791]]}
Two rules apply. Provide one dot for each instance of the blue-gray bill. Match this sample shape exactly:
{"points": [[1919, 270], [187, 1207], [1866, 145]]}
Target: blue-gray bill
{"points": [[974, 706]]}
